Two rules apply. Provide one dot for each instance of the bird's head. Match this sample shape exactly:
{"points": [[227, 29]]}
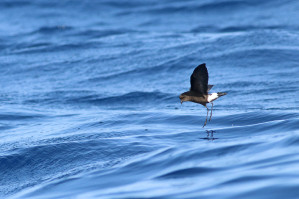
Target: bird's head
{"points": [[184, 97]]}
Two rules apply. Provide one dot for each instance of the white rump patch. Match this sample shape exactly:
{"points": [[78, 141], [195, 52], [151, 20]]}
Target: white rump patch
{"points": [[212, 97]]}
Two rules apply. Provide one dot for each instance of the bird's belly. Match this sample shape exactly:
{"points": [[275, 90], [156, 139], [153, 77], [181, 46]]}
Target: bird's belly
{"points": [[199, 100]]}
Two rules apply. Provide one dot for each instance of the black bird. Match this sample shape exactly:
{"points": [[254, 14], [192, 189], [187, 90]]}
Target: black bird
{"points": [[199, 89]]}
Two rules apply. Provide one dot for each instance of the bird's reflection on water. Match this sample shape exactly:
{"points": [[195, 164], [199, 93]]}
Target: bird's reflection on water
{"points": [[210, 135]]}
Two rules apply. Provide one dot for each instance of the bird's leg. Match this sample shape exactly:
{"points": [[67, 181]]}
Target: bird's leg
{"points": [[207, 116], [211, 112]]}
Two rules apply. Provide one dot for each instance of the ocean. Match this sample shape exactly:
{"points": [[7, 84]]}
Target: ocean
{"points": [[90, 108]]}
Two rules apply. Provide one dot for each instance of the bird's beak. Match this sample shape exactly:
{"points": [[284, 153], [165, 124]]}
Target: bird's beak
{"points": [[181, 101]]}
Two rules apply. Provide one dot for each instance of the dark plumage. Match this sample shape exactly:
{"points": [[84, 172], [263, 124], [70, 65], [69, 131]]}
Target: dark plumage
{"points": [[199, 80], [199, 89]]}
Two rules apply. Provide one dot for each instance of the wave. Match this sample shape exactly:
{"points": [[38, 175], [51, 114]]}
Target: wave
{"points": [[10, 116], [241, 28], [203, 7], [192, 162], [52, 29], [14, 3], [48, 48], [127, 99]]}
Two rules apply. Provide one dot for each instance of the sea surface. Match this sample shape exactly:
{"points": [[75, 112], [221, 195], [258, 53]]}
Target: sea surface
{"points": [[89, 99]]}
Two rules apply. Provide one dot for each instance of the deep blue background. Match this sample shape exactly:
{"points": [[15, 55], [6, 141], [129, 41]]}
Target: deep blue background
{"points": [[89, 103]]}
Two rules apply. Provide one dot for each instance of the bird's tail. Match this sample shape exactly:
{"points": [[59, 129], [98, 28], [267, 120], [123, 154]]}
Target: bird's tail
{"points": [[221, 94]]}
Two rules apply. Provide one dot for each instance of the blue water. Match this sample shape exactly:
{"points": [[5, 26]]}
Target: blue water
{"points": [[89, 103]]}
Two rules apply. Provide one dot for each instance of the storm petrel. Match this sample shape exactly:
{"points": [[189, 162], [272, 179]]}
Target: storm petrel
{"points": [[199, 90]]}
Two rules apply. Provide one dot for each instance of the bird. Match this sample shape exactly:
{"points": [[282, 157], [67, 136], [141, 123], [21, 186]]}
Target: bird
{"points": [[199, 91]]}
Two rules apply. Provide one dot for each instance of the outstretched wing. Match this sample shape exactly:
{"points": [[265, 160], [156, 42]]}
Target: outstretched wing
{"points": [[199, 79]]}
